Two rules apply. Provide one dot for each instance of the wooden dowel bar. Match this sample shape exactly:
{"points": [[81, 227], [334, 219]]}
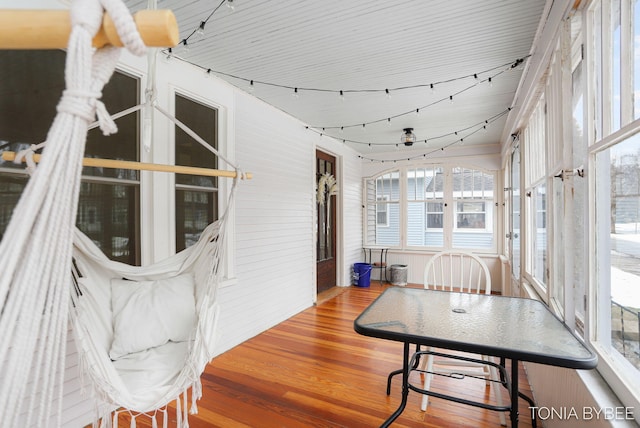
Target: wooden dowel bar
{"points": [[142, 166], [50, 29]]}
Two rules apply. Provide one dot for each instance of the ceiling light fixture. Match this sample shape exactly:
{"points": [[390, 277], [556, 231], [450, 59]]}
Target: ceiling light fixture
{"points": [[408, 137]]}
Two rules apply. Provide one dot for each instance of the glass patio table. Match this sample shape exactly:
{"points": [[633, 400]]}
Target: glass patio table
{"points": [[511, 328]]}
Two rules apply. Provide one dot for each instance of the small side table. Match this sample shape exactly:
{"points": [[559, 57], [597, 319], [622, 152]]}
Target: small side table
{"points": [[381, 265]]}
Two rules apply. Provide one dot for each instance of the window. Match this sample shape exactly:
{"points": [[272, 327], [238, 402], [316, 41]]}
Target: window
{"points": [[613, 152], [425, 207], [382, 194], [473, 192], [196, 196], [441, 207], [617, 253], [108, 210], [535, 191]]}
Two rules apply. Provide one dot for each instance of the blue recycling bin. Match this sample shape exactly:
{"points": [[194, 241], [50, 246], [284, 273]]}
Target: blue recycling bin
{"points": [[362, 274]]}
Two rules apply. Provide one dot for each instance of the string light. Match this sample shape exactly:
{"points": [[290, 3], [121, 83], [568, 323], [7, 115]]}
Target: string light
{"points": [[251, 87], [457, 133], [387, 91], [341, 95], [200, 30], [230, 5], [442, 148], [437, 101], [295, 93]]}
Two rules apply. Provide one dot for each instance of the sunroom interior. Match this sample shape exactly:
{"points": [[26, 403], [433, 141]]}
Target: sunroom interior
{"points": [[506, 128]]}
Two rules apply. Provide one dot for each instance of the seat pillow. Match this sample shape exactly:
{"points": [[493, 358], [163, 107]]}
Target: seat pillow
{"points": [[147, 314]]}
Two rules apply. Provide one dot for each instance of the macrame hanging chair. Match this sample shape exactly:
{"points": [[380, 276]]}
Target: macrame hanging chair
{"points": [[144, 334]]}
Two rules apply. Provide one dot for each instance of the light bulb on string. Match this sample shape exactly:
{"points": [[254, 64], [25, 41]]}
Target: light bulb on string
{"points": [[185, 46], [295, 93], [388, 93], [169, 54], [417, 112], [388, 121], [251, 86], [342, 95], [475, 76], [230, 5], [451, 99], [433, 88], [200, 30], [490, 82], [207, 73], [364, 127], [342, 129]]}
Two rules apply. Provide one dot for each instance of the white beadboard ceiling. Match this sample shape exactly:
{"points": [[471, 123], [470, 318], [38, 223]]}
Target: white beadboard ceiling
{"points": [[357, 45]]}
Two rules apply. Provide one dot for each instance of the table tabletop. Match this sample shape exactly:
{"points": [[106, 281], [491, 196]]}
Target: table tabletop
{"points": [[510, 327]]}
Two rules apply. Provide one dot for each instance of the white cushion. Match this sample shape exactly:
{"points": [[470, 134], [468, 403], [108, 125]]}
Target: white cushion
{"points": [[147, 314]]}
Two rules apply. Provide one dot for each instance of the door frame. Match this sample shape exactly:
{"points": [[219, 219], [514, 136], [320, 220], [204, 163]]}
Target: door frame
{"points": [[339, 255]]}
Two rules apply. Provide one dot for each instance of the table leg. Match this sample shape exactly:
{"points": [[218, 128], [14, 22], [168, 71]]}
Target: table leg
{"points": [[514, 393], [405, 387]]}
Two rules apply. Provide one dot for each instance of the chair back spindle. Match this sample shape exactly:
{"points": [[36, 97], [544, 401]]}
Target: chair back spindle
{"points": [[457, 270]]}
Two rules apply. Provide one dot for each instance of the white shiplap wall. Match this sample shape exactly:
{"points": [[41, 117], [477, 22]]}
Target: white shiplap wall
{"points": [[275, 220]]}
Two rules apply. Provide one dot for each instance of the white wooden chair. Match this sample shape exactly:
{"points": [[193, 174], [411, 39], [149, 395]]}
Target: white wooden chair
{"points": [[459, 271]]}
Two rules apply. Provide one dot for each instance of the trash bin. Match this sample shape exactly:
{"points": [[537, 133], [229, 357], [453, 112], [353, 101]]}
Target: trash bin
{"points": [[362, 274], [399, 275]]}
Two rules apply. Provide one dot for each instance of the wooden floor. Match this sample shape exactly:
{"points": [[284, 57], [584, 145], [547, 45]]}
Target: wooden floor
{"points": [[314, 370]]}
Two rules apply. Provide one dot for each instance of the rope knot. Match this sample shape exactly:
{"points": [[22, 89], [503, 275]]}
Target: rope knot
{"points": [[27, 156], [86, 105], [81, 103]]}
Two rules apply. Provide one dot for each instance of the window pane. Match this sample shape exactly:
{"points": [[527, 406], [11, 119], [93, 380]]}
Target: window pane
{"points": [[618, 249], [473, 215], [425, 215], [540, 228], [558, 243], [636, 59], [107, 215], [470, 215], [425, 224], [203, 120], [120, 93], [11, 186], [615, 65], [515, 213], [107, 212], [196, 196], [597, 84], [579, 191], [383, 210], [194, 211]]}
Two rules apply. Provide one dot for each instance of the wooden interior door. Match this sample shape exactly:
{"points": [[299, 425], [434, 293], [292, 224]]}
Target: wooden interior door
{"points": [[326, 222]]}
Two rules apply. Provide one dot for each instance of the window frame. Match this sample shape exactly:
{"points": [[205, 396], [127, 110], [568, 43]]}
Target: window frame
{"points": [[448, 202]]}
